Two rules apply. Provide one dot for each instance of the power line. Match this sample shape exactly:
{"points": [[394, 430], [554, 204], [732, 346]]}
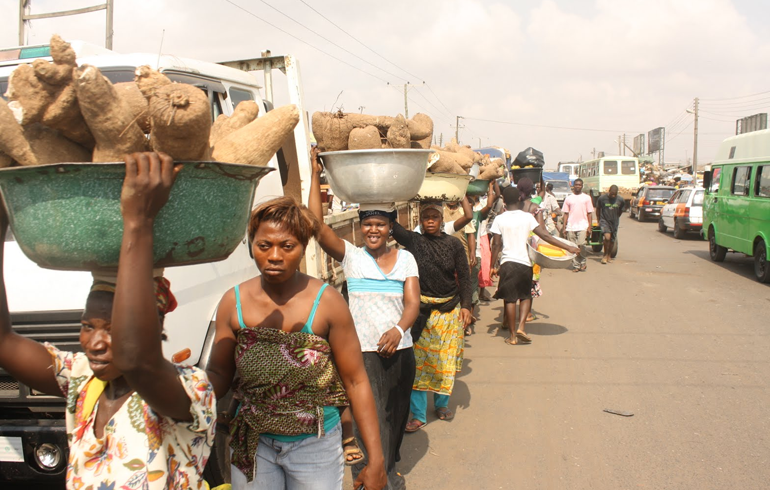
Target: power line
{"points": [[549, 127], [436, 96], [431, 103], [680, 132], [329, 40], [305, 42], [358, 41], [738, 97]]}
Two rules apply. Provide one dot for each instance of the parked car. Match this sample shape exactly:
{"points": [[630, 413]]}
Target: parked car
{"points": [[683, 212], [649, 200]]}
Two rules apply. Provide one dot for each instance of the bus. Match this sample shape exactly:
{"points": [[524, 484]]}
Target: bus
{"points": [[599, 174], [571, 168], [736, 210]]}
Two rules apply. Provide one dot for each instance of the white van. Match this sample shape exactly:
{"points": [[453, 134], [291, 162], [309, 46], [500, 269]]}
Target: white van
{"points": [[46, 305]]}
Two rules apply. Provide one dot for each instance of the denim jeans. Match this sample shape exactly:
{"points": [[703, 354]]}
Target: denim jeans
{"points": [[419, 404], [308, 464]]}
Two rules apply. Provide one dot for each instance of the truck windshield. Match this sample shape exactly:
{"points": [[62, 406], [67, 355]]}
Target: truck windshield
{"points": [[559, 185]]}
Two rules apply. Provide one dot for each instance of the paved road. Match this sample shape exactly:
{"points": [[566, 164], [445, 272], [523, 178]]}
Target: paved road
{"points": [[663, 332]]}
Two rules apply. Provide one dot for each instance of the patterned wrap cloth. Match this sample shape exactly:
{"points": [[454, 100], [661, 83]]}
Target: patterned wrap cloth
{"points": [[438, 354], [285, 380]]}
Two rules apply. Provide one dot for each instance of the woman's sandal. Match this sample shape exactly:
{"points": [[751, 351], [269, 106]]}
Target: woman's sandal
{"points": [[512, 341], [414, 425], [443, 413], [523, 338], [352, 450]]}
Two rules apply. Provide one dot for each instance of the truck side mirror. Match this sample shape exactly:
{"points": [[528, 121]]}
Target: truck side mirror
{"points": [[707, 182]]}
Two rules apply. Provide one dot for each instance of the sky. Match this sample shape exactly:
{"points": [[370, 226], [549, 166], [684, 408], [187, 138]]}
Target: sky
{"points": [[567, 77]]}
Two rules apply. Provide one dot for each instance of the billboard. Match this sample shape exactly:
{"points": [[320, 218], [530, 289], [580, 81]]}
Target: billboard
{"points": [[756, 122], [639, 144], [655, 140]]}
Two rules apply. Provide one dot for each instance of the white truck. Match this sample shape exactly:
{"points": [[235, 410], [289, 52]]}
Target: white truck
{"points": [[46, 305]]}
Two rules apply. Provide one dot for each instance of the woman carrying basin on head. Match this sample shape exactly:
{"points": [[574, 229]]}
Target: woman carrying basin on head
{"points": [[121, 371], [384, 292], [445, 304], [292, 342]]}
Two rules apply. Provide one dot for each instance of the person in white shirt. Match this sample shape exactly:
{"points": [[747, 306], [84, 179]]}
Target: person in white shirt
{"points": [[577, 209], [510, 232]]}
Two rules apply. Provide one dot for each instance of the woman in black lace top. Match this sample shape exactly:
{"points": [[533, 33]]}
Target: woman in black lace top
{"points": [[445, 303]]}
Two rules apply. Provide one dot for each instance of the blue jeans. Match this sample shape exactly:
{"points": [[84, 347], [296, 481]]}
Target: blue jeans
{"points": [[308, 464], [419, 404]]}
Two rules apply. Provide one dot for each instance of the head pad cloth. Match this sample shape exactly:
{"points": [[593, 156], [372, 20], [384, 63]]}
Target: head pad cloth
{"points": [[386, 210], [164, 298], [424, 206]]}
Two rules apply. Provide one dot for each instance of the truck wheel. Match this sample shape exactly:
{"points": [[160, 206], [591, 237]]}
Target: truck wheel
{"points": [[716, 252], [640, 215], [761, 267], [661, 227], [614, 248], [678, 231], [596, 248]]}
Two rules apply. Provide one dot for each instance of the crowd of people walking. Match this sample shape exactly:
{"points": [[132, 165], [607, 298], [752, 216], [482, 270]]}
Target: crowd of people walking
{"points": [[313, 375]]}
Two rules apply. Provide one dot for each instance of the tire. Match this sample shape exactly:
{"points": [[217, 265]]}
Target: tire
{"points": [[614, 249], [761, 266], [596, 248], [661, 227], [631, 212], [679, 233], [640, 215], [716, 252]]}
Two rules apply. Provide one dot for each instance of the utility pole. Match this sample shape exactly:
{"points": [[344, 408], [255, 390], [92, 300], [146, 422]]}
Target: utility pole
{"points": [[406, 104], [441, 139], [619, 143], [624, 144], [695, 147], [107, 6], [479, 142], [457, 129]]}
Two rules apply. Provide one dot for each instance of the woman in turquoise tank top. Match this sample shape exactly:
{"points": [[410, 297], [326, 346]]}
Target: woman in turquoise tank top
{"points": [[292, 342]]}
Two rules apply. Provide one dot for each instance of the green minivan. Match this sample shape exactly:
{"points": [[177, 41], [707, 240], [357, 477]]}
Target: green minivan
{"points": [[736, 205]]}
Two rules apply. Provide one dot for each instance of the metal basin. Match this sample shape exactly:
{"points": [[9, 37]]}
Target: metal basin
{"points": [[478, 188], [547, 262], [67, 216], [376, 176], [443, 187]]}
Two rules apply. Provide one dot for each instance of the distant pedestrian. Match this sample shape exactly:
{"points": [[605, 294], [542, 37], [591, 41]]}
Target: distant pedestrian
{"points": [[552, 209], [510, 233], [609, 207], [577, 209]]}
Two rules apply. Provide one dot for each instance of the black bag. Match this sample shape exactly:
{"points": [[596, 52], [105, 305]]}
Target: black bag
{"points": [[529, 157]]}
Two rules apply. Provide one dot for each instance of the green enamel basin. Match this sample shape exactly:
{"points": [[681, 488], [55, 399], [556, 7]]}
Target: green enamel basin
{"points": [[67, 216], [478, 188]]}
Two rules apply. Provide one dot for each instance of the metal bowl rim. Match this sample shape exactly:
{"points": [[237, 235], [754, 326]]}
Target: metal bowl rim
{"points": [[376, 150]]}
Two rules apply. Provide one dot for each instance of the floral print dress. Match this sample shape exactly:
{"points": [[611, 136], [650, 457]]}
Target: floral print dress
{"points": [[139, 448]]}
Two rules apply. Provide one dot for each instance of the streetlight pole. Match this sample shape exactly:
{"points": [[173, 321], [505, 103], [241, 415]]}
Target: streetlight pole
{"points": [[457, 129]]}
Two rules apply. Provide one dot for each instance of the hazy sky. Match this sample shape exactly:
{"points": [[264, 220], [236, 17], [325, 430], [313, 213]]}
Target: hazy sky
{"points": [[599, 67]]}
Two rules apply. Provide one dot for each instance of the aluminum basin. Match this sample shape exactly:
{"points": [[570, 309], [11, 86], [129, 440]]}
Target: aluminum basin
{"points": [[67, 216], [545, 261], [376, 176]]}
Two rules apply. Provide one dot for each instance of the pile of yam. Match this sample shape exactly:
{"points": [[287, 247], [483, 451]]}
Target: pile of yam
{"points": [[338, 131], [456, 159], [62, 112]]}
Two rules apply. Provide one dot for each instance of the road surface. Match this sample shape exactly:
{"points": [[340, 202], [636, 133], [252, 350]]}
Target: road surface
{"points": [[663, 333]]}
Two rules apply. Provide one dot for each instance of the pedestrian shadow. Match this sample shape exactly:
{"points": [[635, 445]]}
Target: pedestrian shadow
{"points": [[536, 328], [736, 263], [417, 444], [495, 328]]}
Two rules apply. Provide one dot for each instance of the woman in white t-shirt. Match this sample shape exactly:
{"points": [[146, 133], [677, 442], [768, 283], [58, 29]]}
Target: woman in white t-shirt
{"points": [[510, 232], [384, 292]]}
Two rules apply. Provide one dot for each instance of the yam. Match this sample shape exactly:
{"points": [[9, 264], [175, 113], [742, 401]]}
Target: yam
{"points": [[332, 129], [398, 133], [461, 160], [488, 172], [5, 160], [245, 112], [12, 140], [108, 117], [367, 138], [452, 146], [180, 120], [149, 80], [424, 143], [420, 127], [257, 142], [49, 146], [137, 105], [43, 92], [447, 166], [468, 153]]}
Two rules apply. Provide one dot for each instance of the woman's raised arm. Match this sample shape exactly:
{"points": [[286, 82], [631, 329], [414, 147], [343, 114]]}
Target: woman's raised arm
{"points": [[329, 241]]}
